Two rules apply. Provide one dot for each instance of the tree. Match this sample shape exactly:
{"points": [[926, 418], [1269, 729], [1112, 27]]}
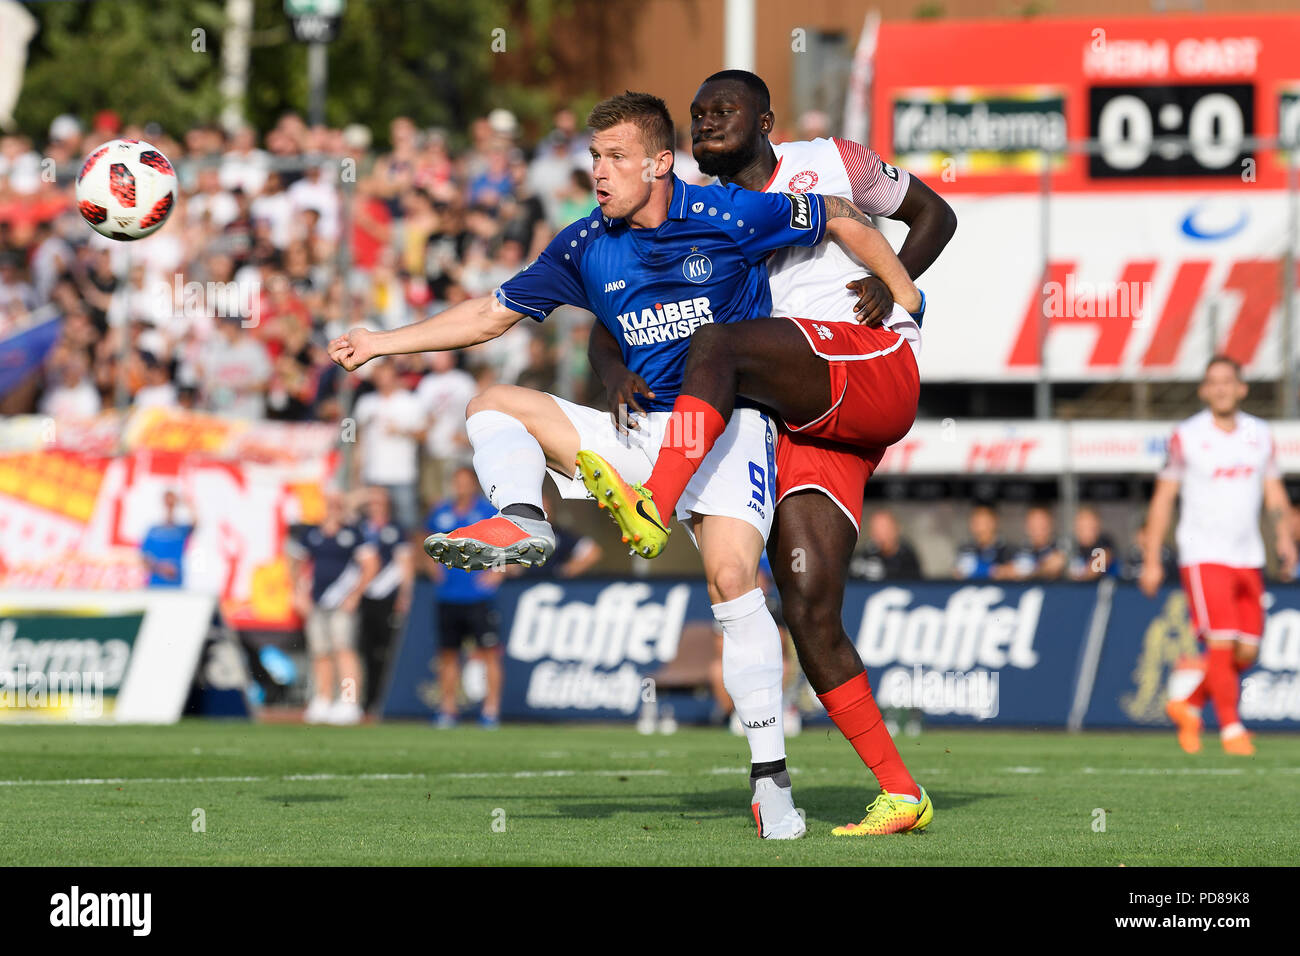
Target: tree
{"points": [[432, 60], [138, 59]]}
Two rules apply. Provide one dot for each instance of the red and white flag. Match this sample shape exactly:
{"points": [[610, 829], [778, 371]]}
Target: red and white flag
{"points": [[857, 104]]}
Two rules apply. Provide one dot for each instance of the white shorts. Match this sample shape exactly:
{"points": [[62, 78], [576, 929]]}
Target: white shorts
{"points": [[736, 480]]}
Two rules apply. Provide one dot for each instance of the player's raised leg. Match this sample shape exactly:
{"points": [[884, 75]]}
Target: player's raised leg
{"points": [[809, 551], [767, 360], [515, 433]]}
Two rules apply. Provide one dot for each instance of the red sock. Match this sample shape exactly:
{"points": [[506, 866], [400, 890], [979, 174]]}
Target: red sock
{"points": [[855, 713], [1224, 685], [694, 427], [1197, 697]]}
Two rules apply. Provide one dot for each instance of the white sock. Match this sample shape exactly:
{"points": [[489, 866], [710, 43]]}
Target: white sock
{"points": [[751, 672], [508, 460], [1232, 730], [1183, 683]]}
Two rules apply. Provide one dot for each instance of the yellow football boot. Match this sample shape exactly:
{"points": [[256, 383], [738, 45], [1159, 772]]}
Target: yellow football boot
{"points": [[629, 505], [890, 813]]}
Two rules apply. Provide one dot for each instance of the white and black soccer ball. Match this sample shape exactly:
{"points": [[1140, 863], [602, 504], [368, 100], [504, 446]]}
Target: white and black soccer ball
{"points": [[126, 189]]}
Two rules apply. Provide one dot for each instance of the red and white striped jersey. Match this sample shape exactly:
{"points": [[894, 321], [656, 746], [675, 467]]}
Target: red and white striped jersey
{"points": [[809, 282], [1221, 476]]}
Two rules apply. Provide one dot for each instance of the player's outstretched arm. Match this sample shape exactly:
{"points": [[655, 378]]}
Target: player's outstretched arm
{"points": [[851, 227], [1159, 516], [931, 223], [468, 323]]}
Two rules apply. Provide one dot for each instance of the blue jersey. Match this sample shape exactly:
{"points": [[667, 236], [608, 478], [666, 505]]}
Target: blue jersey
{"points": [[653, 287], [390, 542], [335, 572], [458, 586], [166, 542]]}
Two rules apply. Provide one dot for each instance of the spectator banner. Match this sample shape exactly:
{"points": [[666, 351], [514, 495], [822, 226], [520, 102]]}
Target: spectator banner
{"points": [[1146, 637], [978, 446], [572, 650], [975, 122], [1145, 286], [1131, 448], [601, 649], [76, 519], [972, 653], [87, 656], [991, 447], [260, 442], [968, 653], [589, 649]]}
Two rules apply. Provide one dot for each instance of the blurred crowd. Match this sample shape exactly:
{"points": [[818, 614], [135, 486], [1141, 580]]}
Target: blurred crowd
{"points": [[279, 243]]}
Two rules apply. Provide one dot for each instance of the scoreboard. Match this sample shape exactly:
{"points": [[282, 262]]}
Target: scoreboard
{"points": [[1157, 141], [1137, 129], [1171, 102]]}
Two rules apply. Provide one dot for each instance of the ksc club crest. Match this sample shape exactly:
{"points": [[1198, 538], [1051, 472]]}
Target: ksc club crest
{"points": [[803, 181], [697, 268]]}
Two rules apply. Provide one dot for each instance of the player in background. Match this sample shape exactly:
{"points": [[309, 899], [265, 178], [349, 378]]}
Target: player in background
{"points": [[868, 373], [328, 597], [656, 262], [467, 610], [1221, 467]]}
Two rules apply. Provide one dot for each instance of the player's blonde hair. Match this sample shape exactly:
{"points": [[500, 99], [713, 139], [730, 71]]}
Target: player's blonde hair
{"points": [[647, 112]]}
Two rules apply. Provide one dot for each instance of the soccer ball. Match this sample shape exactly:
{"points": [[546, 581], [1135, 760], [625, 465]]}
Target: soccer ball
{"points": [[126, 189]]}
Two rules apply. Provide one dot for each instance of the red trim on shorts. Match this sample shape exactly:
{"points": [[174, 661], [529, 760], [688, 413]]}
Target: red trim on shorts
{"points": [[844, 389], [857, 526]]}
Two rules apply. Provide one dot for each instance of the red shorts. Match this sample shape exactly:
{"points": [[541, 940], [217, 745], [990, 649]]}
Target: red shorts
{"points": [[1225, 603], [875, 384], [838, 471]]}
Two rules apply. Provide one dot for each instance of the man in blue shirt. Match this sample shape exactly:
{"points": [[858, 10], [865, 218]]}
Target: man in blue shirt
{"points": [[984, 557], [388, 596], [163, 547], [466, 609], [656, 260]]}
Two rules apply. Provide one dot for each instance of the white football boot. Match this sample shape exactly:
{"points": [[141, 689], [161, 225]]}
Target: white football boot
{"points": [[344, 713], [318, 710], [774, 810]]}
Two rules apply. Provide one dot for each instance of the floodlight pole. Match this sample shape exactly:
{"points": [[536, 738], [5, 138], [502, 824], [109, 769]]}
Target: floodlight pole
{"points": [[317, 82], [1043, 387], [738, 52]]}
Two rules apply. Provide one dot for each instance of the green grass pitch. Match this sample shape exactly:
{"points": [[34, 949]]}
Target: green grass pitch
{"points": [[408, 794]]}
